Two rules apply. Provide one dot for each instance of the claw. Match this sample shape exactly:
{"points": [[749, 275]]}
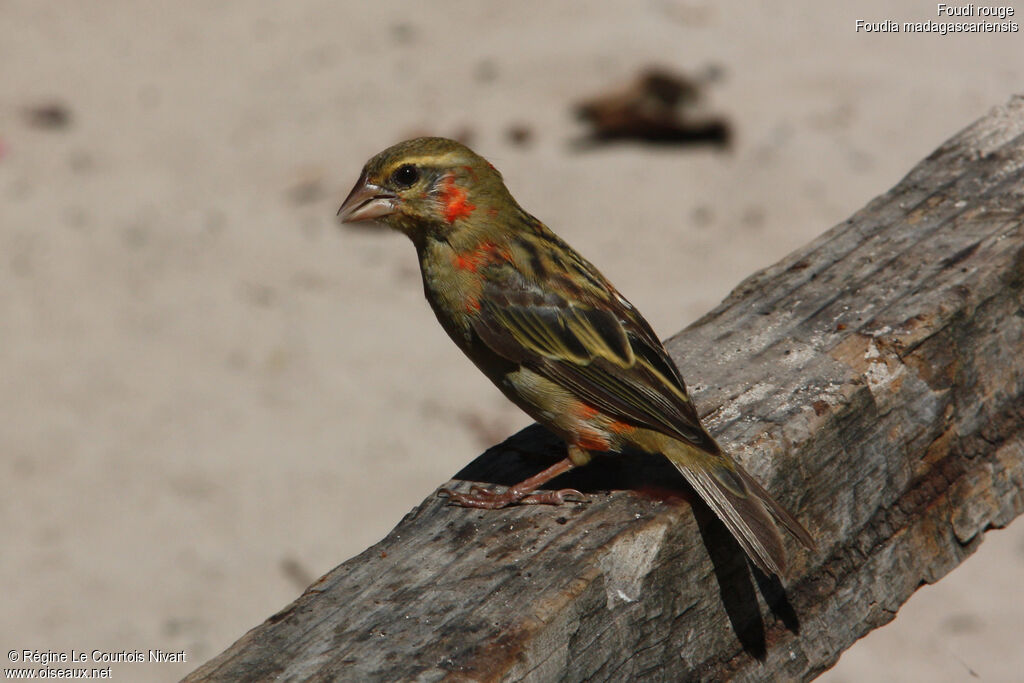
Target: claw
{"points": [[571, 496]]}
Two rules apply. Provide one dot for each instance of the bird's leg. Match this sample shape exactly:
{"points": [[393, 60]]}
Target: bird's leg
{"points": [[521, 493]]}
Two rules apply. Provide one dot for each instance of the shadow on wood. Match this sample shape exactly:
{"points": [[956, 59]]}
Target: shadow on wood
{"points": [[873, 381]]}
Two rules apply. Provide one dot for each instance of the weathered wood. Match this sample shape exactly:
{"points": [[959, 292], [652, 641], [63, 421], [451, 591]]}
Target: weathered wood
{"points": [[873, 381]]}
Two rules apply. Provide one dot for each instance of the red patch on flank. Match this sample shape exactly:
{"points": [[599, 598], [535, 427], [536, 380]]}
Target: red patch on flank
{"points": [[492, 212], [454, 199], [593, 441], [584, 411], [620, 427], [472, 305]]}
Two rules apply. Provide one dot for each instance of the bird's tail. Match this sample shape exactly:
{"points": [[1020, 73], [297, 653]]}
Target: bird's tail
{"points": [[742, 504]]}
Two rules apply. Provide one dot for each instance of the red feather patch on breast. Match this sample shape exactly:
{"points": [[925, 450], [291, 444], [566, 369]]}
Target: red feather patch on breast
{"points": [[484, 253], [470, 261]]}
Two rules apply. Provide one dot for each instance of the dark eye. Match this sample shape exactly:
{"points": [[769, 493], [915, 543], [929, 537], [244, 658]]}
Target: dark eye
{"points": [[405, 175]]}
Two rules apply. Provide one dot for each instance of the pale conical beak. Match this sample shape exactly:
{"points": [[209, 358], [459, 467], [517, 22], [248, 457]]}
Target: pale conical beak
{"points": [[366, 202]]}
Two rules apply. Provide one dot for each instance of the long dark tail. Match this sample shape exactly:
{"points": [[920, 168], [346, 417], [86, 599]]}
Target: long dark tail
{"points": [[742, 504]]}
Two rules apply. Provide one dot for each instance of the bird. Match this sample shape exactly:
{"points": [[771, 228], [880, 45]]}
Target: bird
{"points": [[554, 335]]}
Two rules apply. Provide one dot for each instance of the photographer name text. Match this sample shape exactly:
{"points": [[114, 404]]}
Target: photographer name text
{"points": [[48, 657]]}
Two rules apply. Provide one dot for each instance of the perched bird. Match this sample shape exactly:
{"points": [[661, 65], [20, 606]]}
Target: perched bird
{"points": [[553, 334]]}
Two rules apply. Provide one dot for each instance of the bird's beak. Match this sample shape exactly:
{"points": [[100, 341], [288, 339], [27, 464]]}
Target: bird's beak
{"points": [[366, 202]]}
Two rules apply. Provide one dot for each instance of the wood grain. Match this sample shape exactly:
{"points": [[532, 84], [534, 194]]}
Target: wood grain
{"points": [[873, 381]]}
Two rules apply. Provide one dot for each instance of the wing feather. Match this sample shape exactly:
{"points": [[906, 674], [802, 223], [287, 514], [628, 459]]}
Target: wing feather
{"points": [[601, 350]]}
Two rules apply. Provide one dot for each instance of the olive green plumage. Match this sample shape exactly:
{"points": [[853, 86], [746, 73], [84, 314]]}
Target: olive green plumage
{"points": [[552, 333]]}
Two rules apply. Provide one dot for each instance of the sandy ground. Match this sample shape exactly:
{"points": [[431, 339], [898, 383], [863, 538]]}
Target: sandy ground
{"points": [[211, 395]]}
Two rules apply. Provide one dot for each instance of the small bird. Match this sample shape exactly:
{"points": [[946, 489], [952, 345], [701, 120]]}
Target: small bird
{"points": [[553, 334]]}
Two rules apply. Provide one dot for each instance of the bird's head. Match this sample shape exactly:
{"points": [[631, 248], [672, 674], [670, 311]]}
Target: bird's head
{"points": [[424, 187]]}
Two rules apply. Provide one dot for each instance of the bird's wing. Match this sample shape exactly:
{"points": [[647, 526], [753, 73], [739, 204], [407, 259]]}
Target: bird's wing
{"points": [[594, 343]]}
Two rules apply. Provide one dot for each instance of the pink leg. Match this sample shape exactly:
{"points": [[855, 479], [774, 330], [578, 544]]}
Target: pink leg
{"points": [[521, 493]]}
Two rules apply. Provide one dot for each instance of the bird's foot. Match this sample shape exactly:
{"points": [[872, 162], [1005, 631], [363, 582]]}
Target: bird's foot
{"points": [[554, 497], [479, 497]]}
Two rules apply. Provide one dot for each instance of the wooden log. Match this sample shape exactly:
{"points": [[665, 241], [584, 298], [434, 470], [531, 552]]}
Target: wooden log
{"points": [[872, 380]]}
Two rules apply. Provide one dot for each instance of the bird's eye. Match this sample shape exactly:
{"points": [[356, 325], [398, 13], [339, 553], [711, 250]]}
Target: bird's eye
{"points": [[405, 175]]}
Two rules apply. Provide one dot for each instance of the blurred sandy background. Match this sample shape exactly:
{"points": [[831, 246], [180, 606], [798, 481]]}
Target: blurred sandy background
{"points": [[210, 395]]}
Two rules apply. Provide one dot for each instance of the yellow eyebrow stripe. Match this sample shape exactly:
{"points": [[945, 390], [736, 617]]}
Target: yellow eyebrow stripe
{"points": [[424, 160]]}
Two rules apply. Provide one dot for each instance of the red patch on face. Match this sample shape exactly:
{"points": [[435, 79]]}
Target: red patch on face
{"points": [[454, 199]]}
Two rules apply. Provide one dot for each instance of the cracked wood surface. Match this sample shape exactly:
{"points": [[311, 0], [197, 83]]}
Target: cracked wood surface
{"points": [[873, 381]]}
